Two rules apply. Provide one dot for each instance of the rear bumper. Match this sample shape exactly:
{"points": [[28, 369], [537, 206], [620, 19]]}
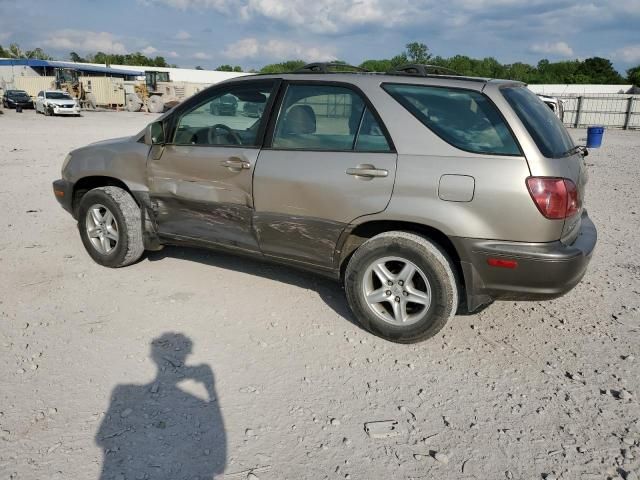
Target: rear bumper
{"points": [[63, 191], [543, 271]]}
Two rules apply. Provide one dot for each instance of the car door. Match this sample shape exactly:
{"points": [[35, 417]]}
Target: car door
{"points": [[200, 181], [329, 161]]}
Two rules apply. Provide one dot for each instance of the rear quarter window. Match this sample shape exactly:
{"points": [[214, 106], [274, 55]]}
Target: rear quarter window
{"points": [[465, 119], [546, 129]]}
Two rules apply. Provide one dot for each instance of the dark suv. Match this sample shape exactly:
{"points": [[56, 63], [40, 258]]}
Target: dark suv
{"points": [[423, 193]]}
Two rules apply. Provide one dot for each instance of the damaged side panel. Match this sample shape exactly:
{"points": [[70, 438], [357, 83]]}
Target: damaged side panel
{"points": [[196, 194], [305, 239], [209, 222], [305, 199]]}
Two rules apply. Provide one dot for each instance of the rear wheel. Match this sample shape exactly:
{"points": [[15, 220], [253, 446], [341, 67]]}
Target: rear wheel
{"points": [[155, 104], [90, 101], [401, 287], [133, 103], [110, 226]]}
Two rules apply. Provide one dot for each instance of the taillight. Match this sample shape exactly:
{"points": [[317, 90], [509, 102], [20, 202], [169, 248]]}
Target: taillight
{"points": [[556, 198]]}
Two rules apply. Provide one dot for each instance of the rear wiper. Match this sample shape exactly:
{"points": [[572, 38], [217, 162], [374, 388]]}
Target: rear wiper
{"points": [[578, 148]]}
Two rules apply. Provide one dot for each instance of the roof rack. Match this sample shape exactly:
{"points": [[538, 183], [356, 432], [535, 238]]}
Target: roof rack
{"points": [[329, 67], [423, 70]]}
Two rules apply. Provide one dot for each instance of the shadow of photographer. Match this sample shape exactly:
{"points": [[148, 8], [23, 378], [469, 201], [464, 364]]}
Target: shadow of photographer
{"points": [[160, 431]]}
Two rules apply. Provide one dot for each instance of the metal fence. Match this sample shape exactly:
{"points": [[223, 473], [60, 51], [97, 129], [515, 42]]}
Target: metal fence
{"points": [[608, 110]]}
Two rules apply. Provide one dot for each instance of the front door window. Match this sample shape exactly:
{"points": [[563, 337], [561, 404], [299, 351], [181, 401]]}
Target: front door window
{"points": [[230, 118]]}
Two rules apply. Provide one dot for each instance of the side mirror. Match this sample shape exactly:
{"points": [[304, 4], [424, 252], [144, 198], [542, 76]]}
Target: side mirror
{"points": [[154, 134]]}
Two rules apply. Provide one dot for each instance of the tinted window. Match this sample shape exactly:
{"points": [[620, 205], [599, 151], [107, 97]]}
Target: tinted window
{"points": [[370, 136], [464, 118], [543, 125], [326, 117], [58, 96], [17, 94], [229, 117]]}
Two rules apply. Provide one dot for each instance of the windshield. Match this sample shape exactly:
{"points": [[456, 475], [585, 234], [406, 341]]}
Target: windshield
{"points": [[58, 96], [16, 94], [543, 125]]}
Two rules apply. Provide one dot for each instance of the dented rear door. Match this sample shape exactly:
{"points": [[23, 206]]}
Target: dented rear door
{"points": [[329, 161]]}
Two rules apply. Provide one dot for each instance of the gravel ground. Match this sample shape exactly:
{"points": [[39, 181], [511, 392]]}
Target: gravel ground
{"points": [[189, 363]]}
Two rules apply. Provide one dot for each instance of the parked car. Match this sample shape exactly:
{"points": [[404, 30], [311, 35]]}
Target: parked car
{"points": [[250, 109], [555, 104], [225, 105], [56, 102], [16, 98], [423, 194]]}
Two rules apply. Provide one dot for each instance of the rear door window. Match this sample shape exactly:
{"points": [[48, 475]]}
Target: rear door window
{"points": [[465, 119], [543, 125], [329, 118]]}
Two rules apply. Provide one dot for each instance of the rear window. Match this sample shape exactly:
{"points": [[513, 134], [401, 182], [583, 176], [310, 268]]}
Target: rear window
{"points": [[543, 125], [464, 118]]}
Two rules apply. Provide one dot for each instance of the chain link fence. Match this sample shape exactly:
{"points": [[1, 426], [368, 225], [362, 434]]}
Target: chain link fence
{"points": [[608, 110]]}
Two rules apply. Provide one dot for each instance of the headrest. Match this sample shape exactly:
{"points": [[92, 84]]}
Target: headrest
{"points": [[299, 119]]}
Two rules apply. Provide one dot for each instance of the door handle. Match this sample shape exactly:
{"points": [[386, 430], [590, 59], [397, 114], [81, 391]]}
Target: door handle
{"points": [[236, 164], [368, 172]]}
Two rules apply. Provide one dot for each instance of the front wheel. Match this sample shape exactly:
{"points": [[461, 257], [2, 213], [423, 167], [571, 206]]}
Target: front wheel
{"points": [[110, 226], [401, 287]]}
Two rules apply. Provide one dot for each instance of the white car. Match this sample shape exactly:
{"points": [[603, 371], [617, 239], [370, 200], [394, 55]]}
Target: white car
{"points": [[555, 104], [56, 102]]}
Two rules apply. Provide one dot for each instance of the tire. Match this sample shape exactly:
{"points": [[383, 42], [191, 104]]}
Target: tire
{"points": [[125, 213], [433, 285], [133, 103], [90, 101], [155, 104]]}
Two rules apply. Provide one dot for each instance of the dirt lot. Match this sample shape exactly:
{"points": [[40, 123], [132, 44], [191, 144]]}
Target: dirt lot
{"points": [[520, 390]]}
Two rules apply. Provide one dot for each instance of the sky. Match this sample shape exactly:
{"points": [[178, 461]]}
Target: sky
{"points": [[252, 33]]}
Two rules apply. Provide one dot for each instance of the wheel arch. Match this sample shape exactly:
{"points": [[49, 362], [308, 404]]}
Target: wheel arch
{"points": [[85, 184], [364, 231]]}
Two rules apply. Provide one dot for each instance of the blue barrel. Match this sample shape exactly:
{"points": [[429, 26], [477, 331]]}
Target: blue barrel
{"points": [[594, 137]]}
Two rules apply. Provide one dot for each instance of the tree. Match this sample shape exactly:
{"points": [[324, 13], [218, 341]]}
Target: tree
{"points": [[283, 67], [76, 58], [224, 68], [37, 53], [15, 52], [3, 53], [385, 65], [633, 76], [237, 68], [599, 70], [417, 52]]}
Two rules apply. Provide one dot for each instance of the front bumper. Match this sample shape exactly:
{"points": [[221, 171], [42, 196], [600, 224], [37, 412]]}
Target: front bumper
{"points": [[12, 104], [544, 270], [65, 111], [63, 191]]}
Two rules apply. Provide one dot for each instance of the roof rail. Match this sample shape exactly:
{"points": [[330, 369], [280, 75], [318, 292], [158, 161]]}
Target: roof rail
{"points": [[423, 70], [329, 67]]}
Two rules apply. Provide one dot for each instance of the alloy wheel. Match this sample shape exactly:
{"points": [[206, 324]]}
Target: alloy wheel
{"points": [[102, 229], [396, 290]]}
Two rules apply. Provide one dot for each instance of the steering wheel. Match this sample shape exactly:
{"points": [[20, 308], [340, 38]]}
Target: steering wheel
{"points": [[213, 134]]}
